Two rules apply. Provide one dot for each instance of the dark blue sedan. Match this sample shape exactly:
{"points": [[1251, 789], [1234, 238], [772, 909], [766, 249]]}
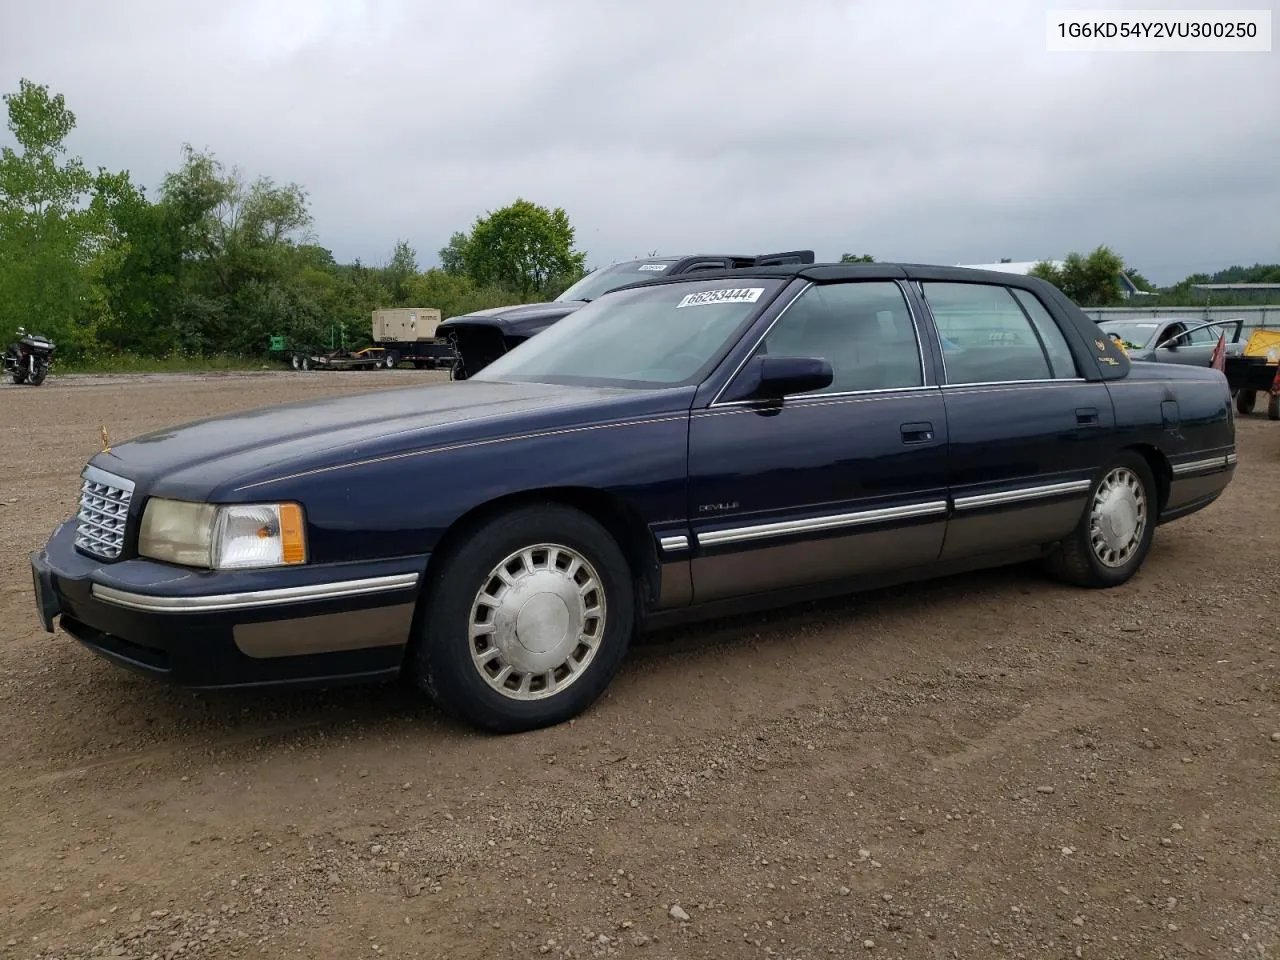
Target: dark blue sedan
{"points": [[677, 448]]}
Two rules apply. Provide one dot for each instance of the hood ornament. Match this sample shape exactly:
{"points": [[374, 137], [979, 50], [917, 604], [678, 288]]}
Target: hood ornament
{"points": [[106, 441]]}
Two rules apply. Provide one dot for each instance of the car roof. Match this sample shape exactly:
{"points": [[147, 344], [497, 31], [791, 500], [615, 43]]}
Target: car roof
{"points": [[828, 272]]}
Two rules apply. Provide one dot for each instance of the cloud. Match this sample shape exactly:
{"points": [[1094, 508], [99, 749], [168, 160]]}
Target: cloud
{"points": [[925, 131]]}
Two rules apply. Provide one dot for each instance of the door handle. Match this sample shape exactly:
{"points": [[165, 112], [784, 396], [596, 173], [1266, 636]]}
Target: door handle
{"points": [[1087, 416], [917, 432]]}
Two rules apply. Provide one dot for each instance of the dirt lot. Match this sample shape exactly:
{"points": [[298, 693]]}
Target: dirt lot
{"points": [[990, 766]]}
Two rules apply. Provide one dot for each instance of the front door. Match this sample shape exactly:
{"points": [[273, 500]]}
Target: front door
{"points": [[1027, 433], [1193, 343], [829, 485]]}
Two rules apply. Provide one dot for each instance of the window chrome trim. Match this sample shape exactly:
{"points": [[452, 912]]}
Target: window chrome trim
{"points": [[915, 329], [252, 599], [838, 521], [1021, 494], [815, 399], [674, 544], [960, 385]]}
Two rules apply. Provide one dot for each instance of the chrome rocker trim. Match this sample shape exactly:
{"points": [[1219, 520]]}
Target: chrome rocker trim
{"points": [[1022, 494], [786, 527], [249, 600], [1220, 462]]}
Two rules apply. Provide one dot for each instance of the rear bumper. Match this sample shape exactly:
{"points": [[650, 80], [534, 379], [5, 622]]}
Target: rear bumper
{"points": [[307, 625]]}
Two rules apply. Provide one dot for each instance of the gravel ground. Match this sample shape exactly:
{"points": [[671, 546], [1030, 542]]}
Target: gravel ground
{"points": [[982, 767]]}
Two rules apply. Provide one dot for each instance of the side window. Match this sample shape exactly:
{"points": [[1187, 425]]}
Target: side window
{"points": [[986, 338], [863, 328], [1055, 344], [1206, 336]]}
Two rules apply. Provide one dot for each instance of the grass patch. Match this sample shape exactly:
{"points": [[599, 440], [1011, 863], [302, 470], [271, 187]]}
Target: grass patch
{"points": [[176, 363]]}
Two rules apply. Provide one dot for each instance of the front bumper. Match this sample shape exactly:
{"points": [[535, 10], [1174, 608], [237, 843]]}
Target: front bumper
{"points": [[301, 625]]}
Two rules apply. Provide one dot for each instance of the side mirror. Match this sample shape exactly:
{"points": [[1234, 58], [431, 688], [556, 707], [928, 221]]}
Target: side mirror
{"points": [[771, 378]]}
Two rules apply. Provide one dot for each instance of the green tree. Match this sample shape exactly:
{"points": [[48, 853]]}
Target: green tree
{"points": [[525, 248], [453, 256], [46, 226], [1090, 281], [857, 258], [403, 265]]}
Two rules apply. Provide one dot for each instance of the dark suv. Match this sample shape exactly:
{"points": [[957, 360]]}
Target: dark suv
{"points": [[481, 337]]}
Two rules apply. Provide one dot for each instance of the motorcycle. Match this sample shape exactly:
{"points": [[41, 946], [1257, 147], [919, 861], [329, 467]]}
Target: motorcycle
{"points": [[27, 360]]}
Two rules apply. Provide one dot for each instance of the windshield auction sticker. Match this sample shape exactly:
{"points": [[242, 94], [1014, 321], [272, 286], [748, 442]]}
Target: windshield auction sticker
{"points": [[732, 295]]}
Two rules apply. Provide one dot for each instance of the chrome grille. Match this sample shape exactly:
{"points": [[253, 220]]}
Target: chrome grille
{"points": [[104, 511]]}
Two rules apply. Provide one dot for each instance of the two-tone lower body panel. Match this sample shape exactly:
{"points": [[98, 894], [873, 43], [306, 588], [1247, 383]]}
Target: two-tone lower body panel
{"points": [[314, 624], [1197, 481]]}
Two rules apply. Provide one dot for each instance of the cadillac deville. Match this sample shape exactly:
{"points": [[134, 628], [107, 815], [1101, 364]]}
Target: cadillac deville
{"points": [[677, 448]]}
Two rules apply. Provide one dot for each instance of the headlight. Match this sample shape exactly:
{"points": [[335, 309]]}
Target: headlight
{"points": [[231, 537]]}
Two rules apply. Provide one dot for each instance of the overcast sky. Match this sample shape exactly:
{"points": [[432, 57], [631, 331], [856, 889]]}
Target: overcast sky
{"points": [[924, 131]]}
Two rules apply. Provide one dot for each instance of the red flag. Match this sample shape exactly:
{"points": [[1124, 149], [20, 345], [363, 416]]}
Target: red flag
{"points": [[1219, 359]]}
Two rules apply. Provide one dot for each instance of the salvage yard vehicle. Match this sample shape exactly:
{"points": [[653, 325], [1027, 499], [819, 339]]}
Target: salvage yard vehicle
{"points": [[678, 448], [27, 359], [481, 337], [370, 358], [1176, 340], [1257, 370]]}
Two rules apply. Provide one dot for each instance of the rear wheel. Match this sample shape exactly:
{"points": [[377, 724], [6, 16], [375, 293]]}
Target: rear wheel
{"points": [[306, 363], [527, 621], [1273, 406], [19, 374], [1114, 536], [1245, 400]]}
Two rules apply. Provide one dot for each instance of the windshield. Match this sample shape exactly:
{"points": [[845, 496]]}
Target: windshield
{"points": [[599, 282], [1132, 331], [646, 337]]}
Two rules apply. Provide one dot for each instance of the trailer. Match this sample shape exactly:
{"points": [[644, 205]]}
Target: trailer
{"points": [[1256, 370], [409, 335]]}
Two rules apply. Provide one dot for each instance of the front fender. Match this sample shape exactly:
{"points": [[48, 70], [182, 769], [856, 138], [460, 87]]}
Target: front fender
{"points": [[402, 504]]}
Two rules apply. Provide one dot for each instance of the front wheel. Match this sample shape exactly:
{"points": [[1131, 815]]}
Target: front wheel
{"points": [[38, 372], [527, 621], [1273, 406], [1114, 535]]}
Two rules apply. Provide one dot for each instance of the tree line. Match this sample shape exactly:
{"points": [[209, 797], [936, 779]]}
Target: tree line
{"points": [[217, 262]]}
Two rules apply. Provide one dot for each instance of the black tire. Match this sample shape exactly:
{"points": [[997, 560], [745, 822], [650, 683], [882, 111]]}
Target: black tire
{"points": [[1076, 562], [306, 363], [1245, 400], [1273, 406], [36, 377], [441, 661], [20, 375]]}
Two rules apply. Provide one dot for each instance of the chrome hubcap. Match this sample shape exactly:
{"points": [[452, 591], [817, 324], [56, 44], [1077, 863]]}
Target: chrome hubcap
{"points": [[537, 622], [1118, 517]]}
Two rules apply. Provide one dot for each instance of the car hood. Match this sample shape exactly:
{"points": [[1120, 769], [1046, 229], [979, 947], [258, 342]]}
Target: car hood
{"points": [[520, 320], [217, 456]]}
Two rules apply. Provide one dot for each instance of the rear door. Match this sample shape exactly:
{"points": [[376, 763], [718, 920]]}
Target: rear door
{"points": [[1027, 433], [830, 485]]}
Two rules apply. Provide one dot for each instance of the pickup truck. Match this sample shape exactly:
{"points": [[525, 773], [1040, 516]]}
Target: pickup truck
{"points": [[481, 337]]}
